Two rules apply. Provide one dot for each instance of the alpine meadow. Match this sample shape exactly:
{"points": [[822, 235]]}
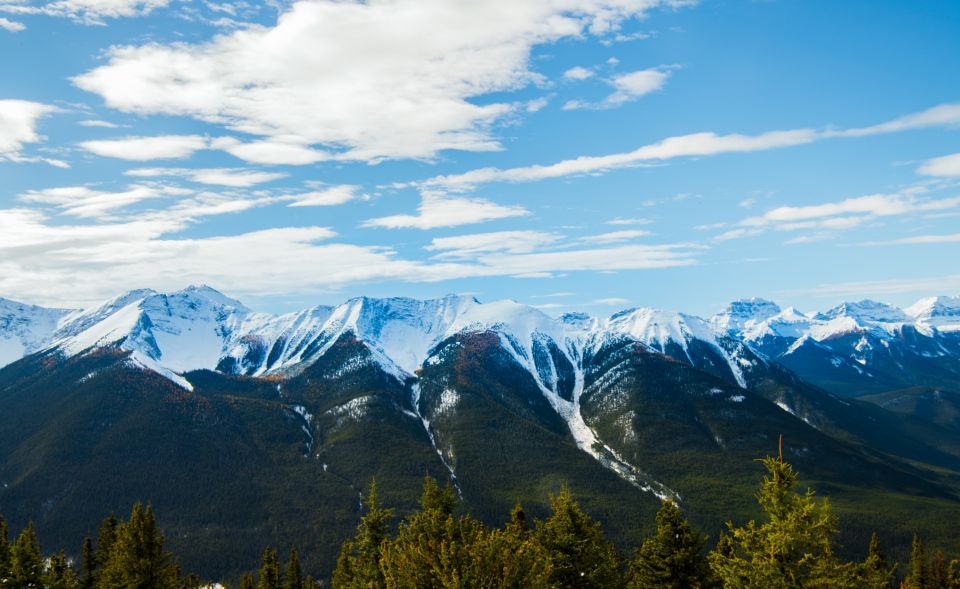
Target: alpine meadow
{"points": [[456, 294]]}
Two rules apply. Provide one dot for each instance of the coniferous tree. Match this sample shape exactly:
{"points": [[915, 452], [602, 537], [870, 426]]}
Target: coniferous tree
{"points": [[359, 561], [311, 583], [6, 556], [674, 558], [269, 577], [89, 562], [137, 559], [580, 555], [106, 536], [918, 578], [294, 576], [247, 581], [875, 567], [59, 574], [793, 548], [191, 581], [27, 561]]}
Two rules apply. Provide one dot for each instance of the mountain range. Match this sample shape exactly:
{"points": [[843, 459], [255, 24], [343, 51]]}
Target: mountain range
{"points": [[247, 428]]}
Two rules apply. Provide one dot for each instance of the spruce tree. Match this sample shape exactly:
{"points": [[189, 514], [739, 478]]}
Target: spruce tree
{"points": [[26, 561], [311, 583], [89, 562], [6, 556], [137, 559], [294, 576], [59, 574], [875, 567], [938, 577], [106, 536], [918, 566], [580, 555], [359, 561], [674, 558], [269, 577], [793, 548]]}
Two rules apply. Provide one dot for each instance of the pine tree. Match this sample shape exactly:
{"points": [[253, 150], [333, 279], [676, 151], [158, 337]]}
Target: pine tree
{"points": [[269, 571], [674, 558], [918, 578], [792, 548], [89, 561], [137, 559], [6, 556], [580, 555], [876, 570], [59, 575], [294, 576], [106, 536], [359, 561], [26, 560]]}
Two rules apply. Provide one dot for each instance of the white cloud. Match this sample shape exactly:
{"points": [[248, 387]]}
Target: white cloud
{"points": [[82, 201], [916, 239], [691, 145], [627, 87], [948, 165], [50, 262], [98, 123], [577, 73], [331, 196], [414, 66], [271, 152], [469, 246], [91, 12], [18, 126], [615, 236], [440, 211], [12, 26], [232, 177], [629, 221], [875, 288], [141, 149], [611, 301]]}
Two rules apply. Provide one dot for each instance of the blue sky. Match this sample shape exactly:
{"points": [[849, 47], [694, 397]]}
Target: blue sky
{"points": [[573, 155]]}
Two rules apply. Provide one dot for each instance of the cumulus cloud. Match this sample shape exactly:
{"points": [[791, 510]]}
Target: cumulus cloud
{"points": [[441, 211], [414, 66], [577, 73], [232, 177], [948, 165], [626, 88], [18, 127], [141, 149], [11, 26]]}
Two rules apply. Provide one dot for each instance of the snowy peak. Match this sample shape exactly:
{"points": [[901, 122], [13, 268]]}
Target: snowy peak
{"points": [[656, 327], [24, 328], [742, 314], [942, 313]]}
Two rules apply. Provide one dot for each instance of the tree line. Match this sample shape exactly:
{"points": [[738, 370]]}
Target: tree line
{"points": [[433, 548]]}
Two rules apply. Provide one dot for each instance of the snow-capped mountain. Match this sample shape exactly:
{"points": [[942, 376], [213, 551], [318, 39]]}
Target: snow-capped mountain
{"points": [[855, 347], [24, 328]]}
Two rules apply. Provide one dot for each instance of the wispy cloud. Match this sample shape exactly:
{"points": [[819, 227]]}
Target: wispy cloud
{"points": [[233, 177], [435, 211], [141, 149], [948, 165]]}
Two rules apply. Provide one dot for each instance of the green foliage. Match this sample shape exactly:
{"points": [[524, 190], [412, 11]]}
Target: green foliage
{"points": [[6, 555], [918, 566], [793, 548], [294, 577], [359, 562], [673, 559], [137, 558], [580, 554], [269, 577], [27, 561], [89, 562]]}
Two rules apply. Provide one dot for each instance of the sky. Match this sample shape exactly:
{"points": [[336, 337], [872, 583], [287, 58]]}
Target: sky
{"points": [[586, 155]]}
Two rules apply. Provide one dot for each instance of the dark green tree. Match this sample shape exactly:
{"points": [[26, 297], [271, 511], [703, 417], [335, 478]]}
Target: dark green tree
{"points": [[88, 560], [27, 561], [294, 577], [359, 561], [311, 583], [581, 557], [137, 557], [106, 536], [269, 571], [6, 554], [674, 558], [793, 548], [918, 578], [876, 567], [59, 574]]}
